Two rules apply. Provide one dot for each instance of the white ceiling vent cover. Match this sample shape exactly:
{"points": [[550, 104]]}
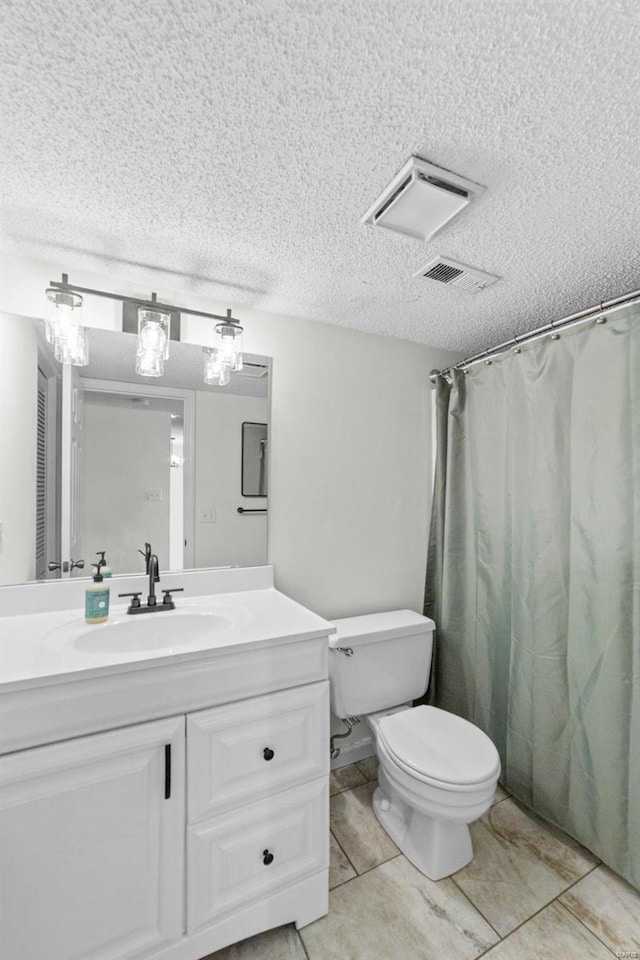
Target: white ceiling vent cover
{"points": [[421, 199], [456, 274], [252, 370]]}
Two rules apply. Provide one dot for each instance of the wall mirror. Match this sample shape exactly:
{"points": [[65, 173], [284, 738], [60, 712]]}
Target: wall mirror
{"points": [[123, 459], [254, 460]]}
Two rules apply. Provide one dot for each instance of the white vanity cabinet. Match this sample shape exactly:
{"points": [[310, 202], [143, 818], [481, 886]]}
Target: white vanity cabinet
{"points": [[96, 830], [258, 799], [92, 839], [165, 800]]}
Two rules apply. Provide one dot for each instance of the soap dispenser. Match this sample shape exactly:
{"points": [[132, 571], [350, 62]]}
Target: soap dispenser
{"points": [[96, 598], [106, 569]]}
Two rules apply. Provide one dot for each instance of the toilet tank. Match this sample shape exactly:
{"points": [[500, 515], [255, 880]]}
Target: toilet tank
{"points": [[389, 664]]}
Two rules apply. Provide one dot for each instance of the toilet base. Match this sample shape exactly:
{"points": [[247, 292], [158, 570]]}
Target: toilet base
{"points": [[436, 847]]}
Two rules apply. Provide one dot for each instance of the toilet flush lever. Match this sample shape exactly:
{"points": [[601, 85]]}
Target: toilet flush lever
{"points": [[348, 651]]}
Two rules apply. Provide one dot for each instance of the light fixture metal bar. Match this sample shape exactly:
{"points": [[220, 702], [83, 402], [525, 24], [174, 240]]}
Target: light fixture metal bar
{"points": [[152, 304]]}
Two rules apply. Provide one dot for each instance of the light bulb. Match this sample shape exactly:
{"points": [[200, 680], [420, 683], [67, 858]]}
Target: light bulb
{"points": [[153, 342], [230, 345], [217, 370], [64, 327]]}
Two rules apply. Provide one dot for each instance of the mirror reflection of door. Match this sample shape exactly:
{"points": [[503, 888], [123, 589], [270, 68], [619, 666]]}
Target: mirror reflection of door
{"points": [[254, 459], [47, 481], [71, 485], [132, 477]]}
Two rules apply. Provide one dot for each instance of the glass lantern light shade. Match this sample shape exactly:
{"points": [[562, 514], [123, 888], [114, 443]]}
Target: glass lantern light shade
{"points": [[230, 347], [217, 372], [64, 327], [153, 342], [72, 346]]}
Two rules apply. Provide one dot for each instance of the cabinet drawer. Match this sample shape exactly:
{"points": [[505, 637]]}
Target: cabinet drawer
{"points": [[256, 851], [243, 751]]}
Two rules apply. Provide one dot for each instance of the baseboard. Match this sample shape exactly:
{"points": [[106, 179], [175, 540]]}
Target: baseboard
{"points": [[351, 752]]}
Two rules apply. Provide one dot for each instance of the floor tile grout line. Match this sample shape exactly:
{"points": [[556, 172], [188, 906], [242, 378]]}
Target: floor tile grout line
{"points": [[588, 929], [347, 858], [477, 909], [575, 916], [543, 907], [370, 870], [304, 946]]}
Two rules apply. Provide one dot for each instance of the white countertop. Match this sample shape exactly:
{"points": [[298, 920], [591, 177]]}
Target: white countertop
{"points": [[58, 645]]}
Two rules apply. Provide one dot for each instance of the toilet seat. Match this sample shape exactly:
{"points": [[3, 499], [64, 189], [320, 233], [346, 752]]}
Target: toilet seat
{"points": [[439, 748]]}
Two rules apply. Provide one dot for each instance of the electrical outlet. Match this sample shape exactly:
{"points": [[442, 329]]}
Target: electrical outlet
{"points": [[208, 516], [154, 493]]}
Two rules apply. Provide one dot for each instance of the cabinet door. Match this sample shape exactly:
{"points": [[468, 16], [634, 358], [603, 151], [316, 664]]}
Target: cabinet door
{"points": [[242, 751], [92, 841]]}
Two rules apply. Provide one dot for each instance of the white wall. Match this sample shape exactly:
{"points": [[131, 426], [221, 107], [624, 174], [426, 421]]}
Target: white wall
{"points": [[117, 516], [350, 444], [18, 412], [349, 461], [218, 445]]}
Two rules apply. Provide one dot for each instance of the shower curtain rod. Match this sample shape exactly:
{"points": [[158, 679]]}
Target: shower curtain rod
{"points": [[574, 318]]}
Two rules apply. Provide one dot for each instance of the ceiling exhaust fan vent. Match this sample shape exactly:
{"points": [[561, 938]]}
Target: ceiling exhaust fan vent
{"points": [[252, 370], [456, 274], [421, 199]]}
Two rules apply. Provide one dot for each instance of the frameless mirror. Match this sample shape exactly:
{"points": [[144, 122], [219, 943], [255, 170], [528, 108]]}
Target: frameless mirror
{"points": [[123, 459]]}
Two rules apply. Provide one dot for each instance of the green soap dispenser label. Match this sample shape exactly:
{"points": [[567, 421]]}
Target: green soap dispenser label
{"points": [[96, 604]]}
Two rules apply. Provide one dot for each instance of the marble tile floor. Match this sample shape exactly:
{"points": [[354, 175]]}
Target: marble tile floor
{"points": [[530, 893]]}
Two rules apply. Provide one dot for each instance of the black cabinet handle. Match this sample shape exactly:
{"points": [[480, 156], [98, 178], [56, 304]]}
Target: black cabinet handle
{"points": [[268, 753], [167, 771], [267, 857]]}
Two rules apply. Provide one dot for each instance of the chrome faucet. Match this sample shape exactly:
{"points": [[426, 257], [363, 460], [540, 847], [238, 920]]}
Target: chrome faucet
{"points": [[154, 577], [152, 605]]}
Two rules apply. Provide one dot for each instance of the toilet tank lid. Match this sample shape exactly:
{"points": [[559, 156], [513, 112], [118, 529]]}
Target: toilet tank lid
{"points": [[373, 627]]}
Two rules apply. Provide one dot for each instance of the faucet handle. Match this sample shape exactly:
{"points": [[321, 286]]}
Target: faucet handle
{"points": [[135, 603], [166, 594]]}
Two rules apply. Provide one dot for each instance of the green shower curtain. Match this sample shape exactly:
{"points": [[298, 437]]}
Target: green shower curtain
{"points": [[533, 577]]}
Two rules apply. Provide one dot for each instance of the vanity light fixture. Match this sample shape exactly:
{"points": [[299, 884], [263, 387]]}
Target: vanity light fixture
{"points": [[155, 324], [221, 360], [230, 349], [154, 327], [64, 325]]}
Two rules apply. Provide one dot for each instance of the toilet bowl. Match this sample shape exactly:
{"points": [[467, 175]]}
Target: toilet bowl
{"points": [[437, 772]]}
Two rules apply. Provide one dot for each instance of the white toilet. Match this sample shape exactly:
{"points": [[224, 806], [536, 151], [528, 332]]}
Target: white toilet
{"points": [[437, 772]]}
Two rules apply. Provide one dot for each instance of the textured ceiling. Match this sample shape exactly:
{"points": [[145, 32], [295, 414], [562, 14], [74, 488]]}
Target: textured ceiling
{"points": [[237, 143]]}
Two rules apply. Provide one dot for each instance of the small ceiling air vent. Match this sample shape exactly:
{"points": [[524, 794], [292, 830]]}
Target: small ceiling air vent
{"points": [[455, 274], [421, 199], [252, 370]]}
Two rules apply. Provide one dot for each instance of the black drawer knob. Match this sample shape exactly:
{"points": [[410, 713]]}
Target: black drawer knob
{"points": [[268, 753], [267, 857]]}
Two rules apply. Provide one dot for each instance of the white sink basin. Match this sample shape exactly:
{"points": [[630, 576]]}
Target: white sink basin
{"points": [[153, 631]]}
